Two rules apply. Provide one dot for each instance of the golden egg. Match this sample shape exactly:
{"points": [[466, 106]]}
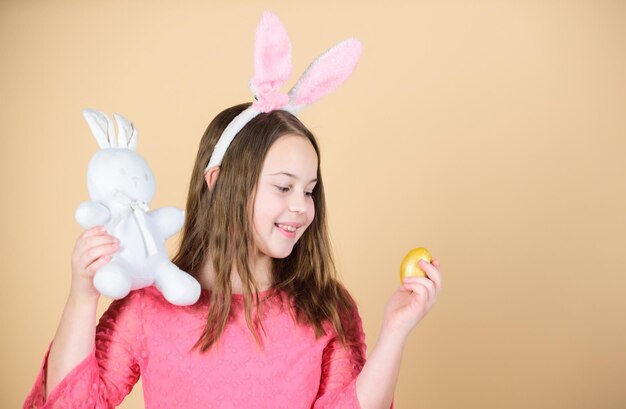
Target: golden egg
{"points": [[410, 267]]}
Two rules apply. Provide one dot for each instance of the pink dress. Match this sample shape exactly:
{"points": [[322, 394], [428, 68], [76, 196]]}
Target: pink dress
{"points": [[143, 334]]}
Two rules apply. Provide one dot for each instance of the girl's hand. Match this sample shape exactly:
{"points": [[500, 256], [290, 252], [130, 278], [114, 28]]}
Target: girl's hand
{"points": [[411, 302], [93, 249]]}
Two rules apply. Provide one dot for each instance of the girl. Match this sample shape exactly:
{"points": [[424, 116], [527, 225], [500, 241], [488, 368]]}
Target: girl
{"points": [[273, 328]]}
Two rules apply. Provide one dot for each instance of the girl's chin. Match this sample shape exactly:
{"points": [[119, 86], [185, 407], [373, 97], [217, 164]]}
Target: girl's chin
{"points": [[281, 254], [278, 250]]}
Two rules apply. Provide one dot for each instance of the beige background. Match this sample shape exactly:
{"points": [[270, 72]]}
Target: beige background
{"points": [[491, 132]]}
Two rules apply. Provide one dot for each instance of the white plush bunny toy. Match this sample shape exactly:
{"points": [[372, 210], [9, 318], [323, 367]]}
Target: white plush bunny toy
{"points": [[121, 186]]}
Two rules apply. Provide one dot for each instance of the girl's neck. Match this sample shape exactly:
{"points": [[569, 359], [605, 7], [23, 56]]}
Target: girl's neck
{"points": [[261, 269]]}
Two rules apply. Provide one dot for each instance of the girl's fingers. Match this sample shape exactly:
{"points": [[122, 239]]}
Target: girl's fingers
{"points": [[94, 231], [95, 241], [430, 286], [94, 253], [432, 272], [427, 284], [418, 288], [93, 267], [87, 237]]}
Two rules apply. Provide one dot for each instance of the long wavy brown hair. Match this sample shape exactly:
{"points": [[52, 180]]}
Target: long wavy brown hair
{"points": [[218, 229]]}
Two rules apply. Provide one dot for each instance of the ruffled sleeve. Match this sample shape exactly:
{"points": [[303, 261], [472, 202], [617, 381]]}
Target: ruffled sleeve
{"points": [[341, 365], [108, 374]]}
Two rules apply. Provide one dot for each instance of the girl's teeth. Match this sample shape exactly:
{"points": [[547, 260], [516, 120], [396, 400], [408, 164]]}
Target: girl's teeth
{"points": [[288, 228]]}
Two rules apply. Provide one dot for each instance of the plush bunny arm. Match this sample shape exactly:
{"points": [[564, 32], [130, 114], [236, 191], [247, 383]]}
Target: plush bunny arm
{"points": [[169, 220], [91, 214]]}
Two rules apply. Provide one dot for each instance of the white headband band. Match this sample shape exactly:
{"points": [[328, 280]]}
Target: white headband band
{"points": [[272, 68]]}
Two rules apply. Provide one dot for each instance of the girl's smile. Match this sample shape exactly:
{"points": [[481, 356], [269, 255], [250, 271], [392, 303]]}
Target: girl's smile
{"points": [[287, 229]]}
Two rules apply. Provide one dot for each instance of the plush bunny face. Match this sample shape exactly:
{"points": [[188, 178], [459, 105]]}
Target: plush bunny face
{"points": [[119, 176]]}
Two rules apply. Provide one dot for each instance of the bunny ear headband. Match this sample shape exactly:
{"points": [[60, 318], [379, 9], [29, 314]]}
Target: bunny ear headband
{"points": [[272, 68]]}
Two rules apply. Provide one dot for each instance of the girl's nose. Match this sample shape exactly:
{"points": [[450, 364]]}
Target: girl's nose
{"points": [[298, 204]]}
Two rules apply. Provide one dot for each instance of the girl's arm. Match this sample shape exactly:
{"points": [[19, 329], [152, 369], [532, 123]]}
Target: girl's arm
{"points": [[109, 371], [376, 383], [74, 340], [75, 336]]}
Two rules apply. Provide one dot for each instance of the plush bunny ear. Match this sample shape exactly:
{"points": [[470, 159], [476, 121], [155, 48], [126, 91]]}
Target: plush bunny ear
{"points": [[272, 63], [325, 74], [101, 127], [126, 133]]}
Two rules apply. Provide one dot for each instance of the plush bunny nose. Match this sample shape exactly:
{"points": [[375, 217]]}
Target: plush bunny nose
{"points": [[136, 180]]}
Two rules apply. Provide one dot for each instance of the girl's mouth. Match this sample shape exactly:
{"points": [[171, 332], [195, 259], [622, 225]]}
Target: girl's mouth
{"points": [[289, 231]]}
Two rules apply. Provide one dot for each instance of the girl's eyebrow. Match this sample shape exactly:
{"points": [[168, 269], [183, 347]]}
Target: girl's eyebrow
{"points": [[290, 175]]}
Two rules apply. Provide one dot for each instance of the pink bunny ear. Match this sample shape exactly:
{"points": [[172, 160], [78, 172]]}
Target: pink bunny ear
{"points": [[325, 74], [272, 63]]}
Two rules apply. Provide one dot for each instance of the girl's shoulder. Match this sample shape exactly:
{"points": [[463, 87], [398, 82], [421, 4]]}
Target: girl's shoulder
{"points": [[139, 298], [149, 300]]}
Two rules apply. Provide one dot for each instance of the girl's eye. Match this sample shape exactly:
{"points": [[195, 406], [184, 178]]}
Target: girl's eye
{"points": [[285, 189]]}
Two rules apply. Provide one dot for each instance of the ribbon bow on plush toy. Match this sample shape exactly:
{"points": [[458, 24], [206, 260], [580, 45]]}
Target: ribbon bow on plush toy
{"points": [[272, 68], [121, 186]]}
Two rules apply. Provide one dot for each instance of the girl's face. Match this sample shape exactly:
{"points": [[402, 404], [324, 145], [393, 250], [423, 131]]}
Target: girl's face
{"points": [[283, 206]]}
